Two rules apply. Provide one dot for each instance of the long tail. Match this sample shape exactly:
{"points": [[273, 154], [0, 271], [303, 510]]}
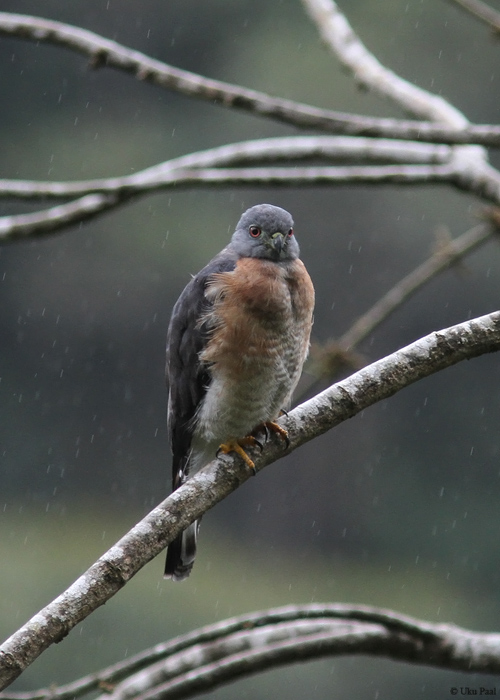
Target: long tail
{"points": [[181, 553]]}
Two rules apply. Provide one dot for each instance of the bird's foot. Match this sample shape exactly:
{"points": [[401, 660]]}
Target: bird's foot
{"points": [[251, 441], [271, 426], [238, 447]]}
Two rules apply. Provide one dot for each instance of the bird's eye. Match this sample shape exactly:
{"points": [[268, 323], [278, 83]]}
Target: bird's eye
{"points": [[290, 233], [254, 231]]}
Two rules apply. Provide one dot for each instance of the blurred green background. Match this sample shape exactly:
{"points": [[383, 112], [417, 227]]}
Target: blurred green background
{"points": [[399, 506]]}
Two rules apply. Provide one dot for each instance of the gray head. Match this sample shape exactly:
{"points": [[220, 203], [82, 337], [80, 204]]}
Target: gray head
{"points": [[265, 231]]}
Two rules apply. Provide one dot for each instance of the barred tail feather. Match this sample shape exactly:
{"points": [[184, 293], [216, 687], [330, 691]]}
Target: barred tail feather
{"points": [[181, 553]]}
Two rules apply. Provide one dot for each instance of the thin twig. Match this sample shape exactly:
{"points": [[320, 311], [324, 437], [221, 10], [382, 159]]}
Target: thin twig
{"points": [[214, 482], [329, 359], [444, 257], [106, 53]]}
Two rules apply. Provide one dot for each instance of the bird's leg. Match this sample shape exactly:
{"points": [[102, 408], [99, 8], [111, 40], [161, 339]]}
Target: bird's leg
{"points": [[237, 446]]}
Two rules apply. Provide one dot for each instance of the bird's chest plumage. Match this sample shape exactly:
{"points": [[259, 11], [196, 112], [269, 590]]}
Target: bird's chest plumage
{"points": [[259, 327]]}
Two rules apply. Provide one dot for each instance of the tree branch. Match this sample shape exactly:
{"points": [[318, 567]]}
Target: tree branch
{"points": [[289, 148], [465, 167], [212, 633], [203, 667], [195, 169], [104, 52], [339, 36], [462, 171], [49, 221], [216, 654], [222, 476], [471, 170]]}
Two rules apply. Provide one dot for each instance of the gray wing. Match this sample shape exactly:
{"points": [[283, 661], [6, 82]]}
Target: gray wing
{"points": [[187, 377]]}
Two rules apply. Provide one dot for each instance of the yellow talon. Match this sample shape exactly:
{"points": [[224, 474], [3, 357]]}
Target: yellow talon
{"points": [[250, 441], [271, 425], [237, 446], [275, 428]]}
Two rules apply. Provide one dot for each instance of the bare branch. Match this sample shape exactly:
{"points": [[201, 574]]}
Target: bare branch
{"points": [[51, 220], [471, 171], [214, 482], [104, 52], [241, 646], [19, 226], [212, 633], [482, 11], [204, 667], [466, 166], [289, 148], [195, 170], [339, 36], [457, 166]]}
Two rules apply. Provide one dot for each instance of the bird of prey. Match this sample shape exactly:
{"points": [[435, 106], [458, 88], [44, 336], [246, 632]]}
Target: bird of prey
{"points": [[237, 341]]}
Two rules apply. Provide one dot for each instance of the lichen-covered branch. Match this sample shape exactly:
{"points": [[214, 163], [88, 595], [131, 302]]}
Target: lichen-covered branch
{"points": [[403, 162], [204, 169], [465, 167], [271, 643], [211, 634]]}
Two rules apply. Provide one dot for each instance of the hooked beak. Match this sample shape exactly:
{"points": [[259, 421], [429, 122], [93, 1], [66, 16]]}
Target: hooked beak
{"points": [[278, 241]]}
